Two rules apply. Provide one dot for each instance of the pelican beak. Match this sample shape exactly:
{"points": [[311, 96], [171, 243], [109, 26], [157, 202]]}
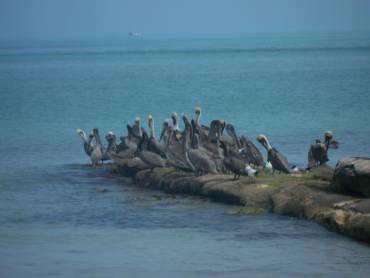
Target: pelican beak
{"points": [[262, 140], [328, 135]]}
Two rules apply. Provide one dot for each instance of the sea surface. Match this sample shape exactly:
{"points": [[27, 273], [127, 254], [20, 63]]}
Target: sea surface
{"points": [[61, 218]]}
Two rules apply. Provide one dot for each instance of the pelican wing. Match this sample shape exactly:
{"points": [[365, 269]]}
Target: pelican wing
{"points": [[334, 144], [251, 151]]}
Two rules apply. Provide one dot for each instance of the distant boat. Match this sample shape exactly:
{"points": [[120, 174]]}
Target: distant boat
{"points": [[134, 34]]}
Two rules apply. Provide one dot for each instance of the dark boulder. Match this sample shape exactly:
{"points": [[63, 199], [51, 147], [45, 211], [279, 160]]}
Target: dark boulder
{"points": [[352, 175]]}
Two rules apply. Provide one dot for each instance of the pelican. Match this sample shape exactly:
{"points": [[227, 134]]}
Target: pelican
{"points": [[198, 114], [152, 159], [247, 150], [135, 131], [236, 165], [278, 160], [87, 140], [318, 152], [97, 152], [202, 130], [199, 161], [175, 151], [153, 144], [175, 122], [216, 129], [166, 131], [112, 145]]}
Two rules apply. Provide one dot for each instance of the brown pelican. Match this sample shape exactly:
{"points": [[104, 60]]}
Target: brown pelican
{"points": [[97, 152], [112, 145], [318, 152], [175, 149], [198, 113], [87, 140], [216, 129], [152, 159], [247, 150], [175, 122], [153, 144], [278, 160], [166, 131], [136, 128], [199, 161], [236, 165], [202, 130]]}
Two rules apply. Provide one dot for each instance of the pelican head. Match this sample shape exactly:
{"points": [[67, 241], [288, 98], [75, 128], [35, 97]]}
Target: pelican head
{"points": [[137, 120], [110, 136], [82, 134], [166, 122], [174, 120], [328, 135], [150, 120], [198, 110], [186, 120], [262, 139], [174, 116]]}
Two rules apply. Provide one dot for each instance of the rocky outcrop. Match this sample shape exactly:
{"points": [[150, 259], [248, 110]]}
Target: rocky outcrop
{"points": [[300, 195], [352, 175]]}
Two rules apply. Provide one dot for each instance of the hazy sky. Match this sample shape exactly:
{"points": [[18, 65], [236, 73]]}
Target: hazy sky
{"points": [[72, 18]]}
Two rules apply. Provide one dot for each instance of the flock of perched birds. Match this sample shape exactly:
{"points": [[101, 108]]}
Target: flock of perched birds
{"points": [[216, 148]]}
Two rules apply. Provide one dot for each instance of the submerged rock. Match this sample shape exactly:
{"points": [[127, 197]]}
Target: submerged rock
{"points": [[307, 195], [101, 190], [248, 210], [352, 175]]}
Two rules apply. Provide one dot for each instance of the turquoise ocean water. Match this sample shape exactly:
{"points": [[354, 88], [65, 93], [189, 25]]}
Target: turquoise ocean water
{"points": [[53, 222]]}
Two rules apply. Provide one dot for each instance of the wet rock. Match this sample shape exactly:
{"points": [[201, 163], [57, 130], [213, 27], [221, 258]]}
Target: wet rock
{"points": [[324, 172], [248, 210], [307, 195], [291, 200], [129, 167], [352, 175], [356, 225]]}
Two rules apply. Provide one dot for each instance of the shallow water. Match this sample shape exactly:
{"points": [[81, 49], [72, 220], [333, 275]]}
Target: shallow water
{"points": [[54, 219]]}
